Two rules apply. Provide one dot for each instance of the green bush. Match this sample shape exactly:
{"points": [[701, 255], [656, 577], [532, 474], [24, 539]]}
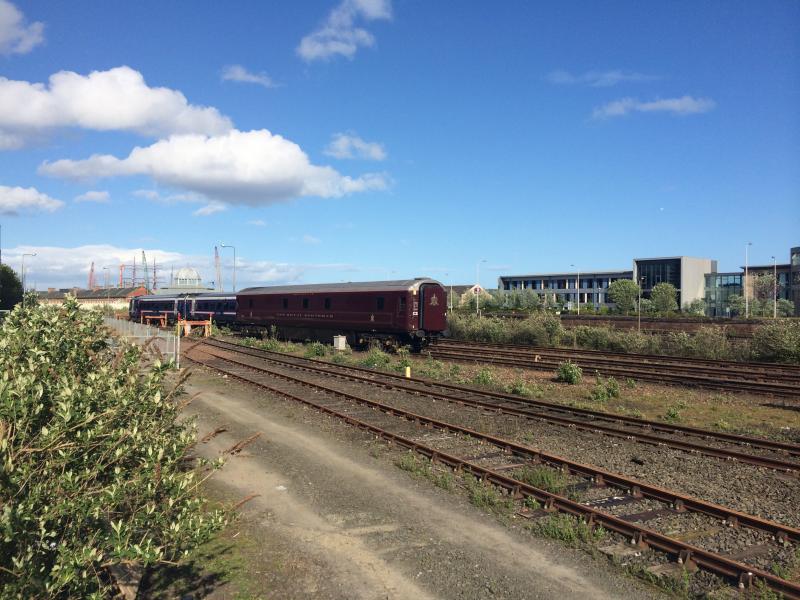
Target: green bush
{"points": [[777, 340], [605, 389], [569, 372], [376, 359], [484, 377], [95, 468], [315, 350]]}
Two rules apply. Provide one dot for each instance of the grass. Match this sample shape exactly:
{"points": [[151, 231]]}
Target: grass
{"points": [[567, 529], [486, 495], [543, 478]]}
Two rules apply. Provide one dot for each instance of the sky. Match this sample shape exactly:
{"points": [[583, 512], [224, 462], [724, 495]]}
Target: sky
{"points": [[353, 140]]}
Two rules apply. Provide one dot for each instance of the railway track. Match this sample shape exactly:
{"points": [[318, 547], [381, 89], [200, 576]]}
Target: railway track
{"points": [[770, 379], [781, 456], [645, 516]]}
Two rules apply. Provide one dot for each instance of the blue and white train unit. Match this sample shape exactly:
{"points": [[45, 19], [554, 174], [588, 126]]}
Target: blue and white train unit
{"points": [[217, 306]]}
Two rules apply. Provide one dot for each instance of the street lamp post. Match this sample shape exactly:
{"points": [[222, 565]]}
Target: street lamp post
{"points": [[22, 273], [234, 263], [578, 288], [774, 288], [478, 282], [746, 281], [639, 325]]}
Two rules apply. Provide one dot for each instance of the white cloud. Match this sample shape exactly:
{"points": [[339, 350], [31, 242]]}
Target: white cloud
{"points": [[351, 146], [339, 35], [685, 105], [257, 223], [62, 267], [310, 239], [241, 75], [239, 167], [210, 209], [149, 194], [598, 78], [17, 36], [94, 196], [115, 100], [14, 200]]}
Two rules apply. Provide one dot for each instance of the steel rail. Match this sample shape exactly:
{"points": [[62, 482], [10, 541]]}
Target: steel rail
{"points": [[719, 363], [639, 371], [724, 453], [686, 554], [739, 371]]}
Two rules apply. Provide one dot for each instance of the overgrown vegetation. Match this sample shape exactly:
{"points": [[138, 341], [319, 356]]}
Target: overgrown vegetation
{"points": [[605, 389], [95, 470], [568, 529], [774, 340], [569, 372]]}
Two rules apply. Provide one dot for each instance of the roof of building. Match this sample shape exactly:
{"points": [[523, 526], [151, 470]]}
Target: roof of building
{"points": [[354, 286], [586, 274], [83, 294]]}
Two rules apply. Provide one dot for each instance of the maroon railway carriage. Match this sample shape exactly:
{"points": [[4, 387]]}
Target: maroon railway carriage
{"points": [[411, 311]]}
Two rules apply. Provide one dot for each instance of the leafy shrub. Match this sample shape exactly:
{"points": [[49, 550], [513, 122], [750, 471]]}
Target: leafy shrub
{"points": [[569, 372], [568, 529], [778, 340], [521, 388], [605, 389], [315, 349], [376, 359], [483, 377], [94, 459], [544, 478]]}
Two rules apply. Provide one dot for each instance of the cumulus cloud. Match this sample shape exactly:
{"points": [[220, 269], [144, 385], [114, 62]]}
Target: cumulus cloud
{"points": [[239, 167], [115, 100], [16, 35], [339, 35], [685, 105], [310, 239], [351, 146], [93, 196], [63, 267], [598, 78], [239, 74], [209, 209], [16, 200]]}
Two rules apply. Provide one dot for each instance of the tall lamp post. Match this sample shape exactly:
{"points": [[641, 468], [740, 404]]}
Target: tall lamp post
{"points": [[578, 288], [234, 262], [746, 281], [478, 282], [774, 288], [450, 295], [24, 254], [639, 325]]}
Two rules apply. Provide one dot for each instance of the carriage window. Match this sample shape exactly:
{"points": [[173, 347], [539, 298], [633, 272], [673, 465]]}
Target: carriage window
{"points": [[401, 304], [380, 303], [327, 303], [305, 302], [250, 303], [285, 303]]}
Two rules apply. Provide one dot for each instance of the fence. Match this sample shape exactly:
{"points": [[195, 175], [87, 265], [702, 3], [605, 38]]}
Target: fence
{"points": [[167, 343]]}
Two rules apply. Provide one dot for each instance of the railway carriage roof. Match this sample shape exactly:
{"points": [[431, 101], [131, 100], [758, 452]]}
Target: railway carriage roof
{"points": [[356, 286]]}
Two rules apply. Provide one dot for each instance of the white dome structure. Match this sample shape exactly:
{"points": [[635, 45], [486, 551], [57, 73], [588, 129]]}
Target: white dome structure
{"points": [[187, 277]]}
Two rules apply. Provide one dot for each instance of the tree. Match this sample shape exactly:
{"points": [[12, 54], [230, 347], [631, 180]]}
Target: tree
{"points": [[624, 293], [736, 305], [764, 286], [10, 288], [664, 297], [695, 307], [785, 308]]}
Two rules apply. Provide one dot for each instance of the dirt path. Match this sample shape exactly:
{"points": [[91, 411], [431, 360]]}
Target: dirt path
{"points": [[335, 519]]}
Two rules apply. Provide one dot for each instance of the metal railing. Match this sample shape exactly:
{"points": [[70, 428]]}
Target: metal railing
{"points": [[167, 343]]}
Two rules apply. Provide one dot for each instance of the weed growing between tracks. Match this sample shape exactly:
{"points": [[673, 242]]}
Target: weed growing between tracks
{"points": [[733, 413]]}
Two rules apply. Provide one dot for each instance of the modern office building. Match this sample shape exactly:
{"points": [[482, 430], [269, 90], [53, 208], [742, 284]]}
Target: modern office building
{"points": [[590, 287], [686, 273], [694, 278]]}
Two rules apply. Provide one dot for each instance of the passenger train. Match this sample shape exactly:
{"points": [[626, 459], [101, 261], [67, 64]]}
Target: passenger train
{"points": [[410, 311]]}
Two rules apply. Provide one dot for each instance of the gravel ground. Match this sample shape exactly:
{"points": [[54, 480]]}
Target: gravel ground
{"points": [[715, 538], [754, 490], [336, 519]]}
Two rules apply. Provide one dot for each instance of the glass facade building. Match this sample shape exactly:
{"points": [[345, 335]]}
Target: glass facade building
{"points": [[720, 287]]}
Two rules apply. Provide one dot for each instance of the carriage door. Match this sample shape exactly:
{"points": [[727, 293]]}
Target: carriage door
{"points": [[432, 307]]}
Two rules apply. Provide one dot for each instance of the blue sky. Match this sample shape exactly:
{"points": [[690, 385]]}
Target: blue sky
{"points": [[368, 139]]}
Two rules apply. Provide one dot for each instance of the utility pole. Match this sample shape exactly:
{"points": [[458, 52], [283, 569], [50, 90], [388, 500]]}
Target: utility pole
{"points": [[774, 288], [146, 274], [478, 288], [578, 289], [746, 281], [218, 270], [222, 245]]}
